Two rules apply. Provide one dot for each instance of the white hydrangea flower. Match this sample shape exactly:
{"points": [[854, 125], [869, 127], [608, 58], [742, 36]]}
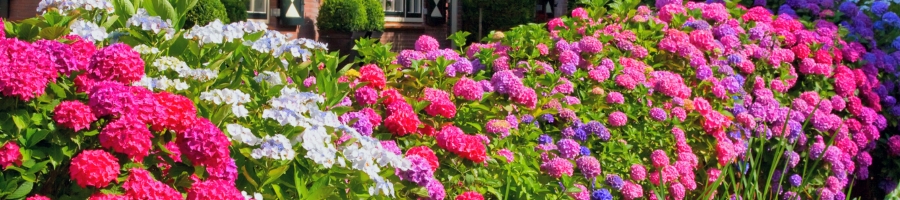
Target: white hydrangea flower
{"points": [[88, 30], [168, 62], [144, 49], [180, 85], [225, 96], [240, 111], [164, 83], [64, 6], [273, 78], [381, 187], [146, 82], [253, 26], [209, 34], [233, 31], [366, 154], [276, 147], [269, 42], [202, 75], [256, 196], [242, 134], [151, 23]]}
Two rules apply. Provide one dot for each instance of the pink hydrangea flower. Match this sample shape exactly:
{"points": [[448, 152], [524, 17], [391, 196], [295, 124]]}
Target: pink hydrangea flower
{"points": [[25, 71], [426, 43], [213, 189], [74, 115], [468, 89], [638, 172], [116, 62], [94, 168], [141, 185], [127, 135], [204, 144], [617, 119], [10, 155], [557, 167]]}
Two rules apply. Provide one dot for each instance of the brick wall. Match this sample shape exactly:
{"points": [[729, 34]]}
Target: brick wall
{"points": [[22, 9], [404, 35], [310, 12]]}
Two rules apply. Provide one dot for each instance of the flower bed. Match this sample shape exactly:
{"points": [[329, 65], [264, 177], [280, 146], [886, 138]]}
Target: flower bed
{"points": [[683, 101]]}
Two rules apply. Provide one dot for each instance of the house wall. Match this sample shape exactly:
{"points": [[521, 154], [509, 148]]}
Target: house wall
{"points": [[22, 9]]}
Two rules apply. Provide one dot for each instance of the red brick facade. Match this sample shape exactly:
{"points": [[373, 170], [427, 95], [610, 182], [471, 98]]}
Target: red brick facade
{"points": [[402, 34], [22, 9]]}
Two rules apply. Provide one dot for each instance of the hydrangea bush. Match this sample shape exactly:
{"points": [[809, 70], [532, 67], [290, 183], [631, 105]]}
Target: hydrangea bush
{"points": [[681, 100], [685, 100]]}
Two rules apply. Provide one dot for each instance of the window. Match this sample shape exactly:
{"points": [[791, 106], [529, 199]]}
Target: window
{"points": [[257, 9], [403, 10]]}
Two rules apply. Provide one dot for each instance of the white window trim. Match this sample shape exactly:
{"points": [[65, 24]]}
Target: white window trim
{"points": [[264, 12], [403, 19], [406, 19]]}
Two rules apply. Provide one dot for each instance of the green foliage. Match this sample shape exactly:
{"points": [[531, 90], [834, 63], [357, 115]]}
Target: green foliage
{"points": [[497, 15], [205, 12], [236, 9], [375, 13], [343, 15]]}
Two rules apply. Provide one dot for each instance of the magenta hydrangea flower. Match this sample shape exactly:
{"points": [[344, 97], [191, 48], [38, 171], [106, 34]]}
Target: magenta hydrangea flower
{"points": [[568, 148], [204, 144], [26, 70], [632, 191], [74, 115], [584, 194], [406, 57], [61, 55], [498, 126], [436, 190], [638, 172], [213, 189], [116, 62], [420, 171], [141, 185], [468, 89], [893, 145], [658, 114], [557, 167], [659, 158], [366, 95], [440, 103], [127, 135], [589, 166], [569, 57], [524, 95], [110, 98], [10, 155], [590, 45], [426, 43], [506, 153], [618, 119], [94, 168], [615, 98]]}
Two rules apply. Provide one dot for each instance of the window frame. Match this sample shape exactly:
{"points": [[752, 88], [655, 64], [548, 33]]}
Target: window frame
{"points": [[256, 15], [406, 15]]}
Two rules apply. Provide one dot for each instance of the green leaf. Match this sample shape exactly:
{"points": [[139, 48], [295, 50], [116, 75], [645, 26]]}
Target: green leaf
{"points": [[59, 91], [19, 119], [23, 190], [164, 9], [37, 167], [37, 137], [51, 33], [321, 193], [275, 174]]}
